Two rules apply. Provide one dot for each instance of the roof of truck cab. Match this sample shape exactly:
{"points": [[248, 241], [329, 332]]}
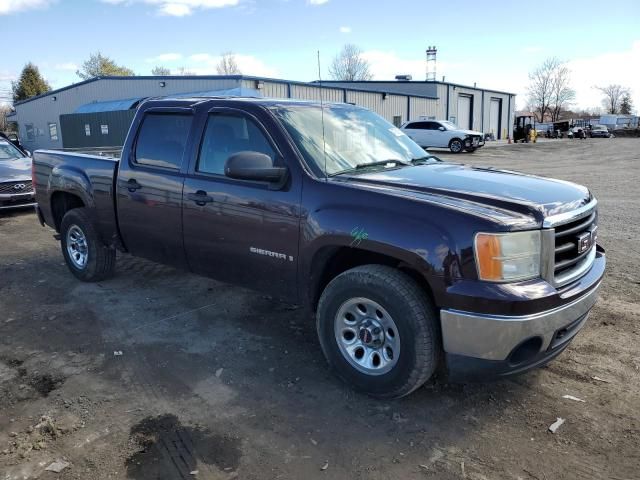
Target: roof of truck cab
{"points": [[197, 99]]}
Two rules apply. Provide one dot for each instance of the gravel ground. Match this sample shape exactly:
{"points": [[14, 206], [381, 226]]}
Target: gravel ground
{"points": [[159, 374]]}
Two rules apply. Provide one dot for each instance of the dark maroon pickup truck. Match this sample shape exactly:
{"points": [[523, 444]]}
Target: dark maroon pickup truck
{"points": [[411, 264]]}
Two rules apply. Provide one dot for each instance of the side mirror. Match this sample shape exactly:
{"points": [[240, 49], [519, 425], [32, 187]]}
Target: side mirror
{"points": [[254, 166], [28, 153], [442, 129]]}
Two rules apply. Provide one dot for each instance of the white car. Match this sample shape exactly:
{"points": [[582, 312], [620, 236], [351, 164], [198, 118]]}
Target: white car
{"points": [[442, 134]]}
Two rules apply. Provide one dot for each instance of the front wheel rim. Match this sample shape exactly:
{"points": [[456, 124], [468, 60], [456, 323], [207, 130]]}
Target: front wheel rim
{"points": [[456, 146], [367, 336], [77, 247]]}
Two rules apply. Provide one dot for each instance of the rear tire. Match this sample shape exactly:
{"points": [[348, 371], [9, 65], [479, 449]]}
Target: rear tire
{"points": [[456, 145], [378, 331], [86, 256]]}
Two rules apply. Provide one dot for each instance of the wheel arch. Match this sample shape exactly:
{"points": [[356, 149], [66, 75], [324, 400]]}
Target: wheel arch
{"points": [[331, 261], [61, 203]]}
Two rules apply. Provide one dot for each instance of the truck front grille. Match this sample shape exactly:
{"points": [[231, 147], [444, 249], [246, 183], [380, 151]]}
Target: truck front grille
{"points": [[574, 245], [16, 187]]}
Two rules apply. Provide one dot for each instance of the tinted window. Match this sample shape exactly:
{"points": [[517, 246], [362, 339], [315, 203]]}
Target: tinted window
{"points": [[417, 125], [227, 134], [162, 140], [433, 125]]}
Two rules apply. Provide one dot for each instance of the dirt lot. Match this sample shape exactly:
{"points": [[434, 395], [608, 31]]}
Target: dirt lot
{"points": [[227, 383]]}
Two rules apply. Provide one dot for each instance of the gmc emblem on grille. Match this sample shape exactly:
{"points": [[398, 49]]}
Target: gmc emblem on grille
{"points": [[584, 242], [19, 187]]}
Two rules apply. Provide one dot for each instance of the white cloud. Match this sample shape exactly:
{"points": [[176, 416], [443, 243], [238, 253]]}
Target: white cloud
{"points": [[317, 2], [175, 9], [164, 57], [345, 29], [66, 66], [178, 8], [621, 67], [12, 6]]}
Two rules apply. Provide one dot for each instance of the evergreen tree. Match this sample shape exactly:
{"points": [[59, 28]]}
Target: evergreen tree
{"points": [[625, 105], [30, 84]]}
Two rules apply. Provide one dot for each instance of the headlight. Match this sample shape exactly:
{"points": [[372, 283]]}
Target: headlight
{"points": [[505, 257]]}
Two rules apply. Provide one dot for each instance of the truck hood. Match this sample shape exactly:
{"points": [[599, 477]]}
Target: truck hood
{"points": [[14, 170], [480, 189]]}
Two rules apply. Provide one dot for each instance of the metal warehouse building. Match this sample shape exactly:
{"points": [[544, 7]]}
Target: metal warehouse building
{"points": [[98, 112]]}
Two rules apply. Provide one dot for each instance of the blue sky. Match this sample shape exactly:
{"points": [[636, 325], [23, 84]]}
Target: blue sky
{"points": [[491, 43]]}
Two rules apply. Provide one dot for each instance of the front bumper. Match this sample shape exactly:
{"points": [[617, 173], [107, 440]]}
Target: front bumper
{"points": [[473, 142], [480, 345], [19, 200]]}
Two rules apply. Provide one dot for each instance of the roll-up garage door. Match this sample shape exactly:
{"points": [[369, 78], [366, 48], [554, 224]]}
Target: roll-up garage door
{"points": [[464, 112], [494, 117]]}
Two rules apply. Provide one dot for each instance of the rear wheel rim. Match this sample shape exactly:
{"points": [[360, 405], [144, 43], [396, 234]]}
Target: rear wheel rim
{"points": [[367, 336], [77, 247]]}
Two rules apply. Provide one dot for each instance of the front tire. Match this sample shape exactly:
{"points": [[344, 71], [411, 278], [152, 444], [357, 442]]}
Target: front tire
{"points": [[378, 331], [456, 145], [86, 256]]}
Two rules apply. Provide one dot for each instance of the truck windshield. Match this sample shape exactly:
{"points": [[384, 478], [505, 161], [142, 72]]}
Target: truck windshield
{"points": [[354, 138], [9, 152]]}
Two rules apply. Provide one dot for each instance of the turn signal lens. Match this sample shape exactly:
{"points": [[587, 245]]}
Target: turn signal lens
{"points": [[504, 257]]}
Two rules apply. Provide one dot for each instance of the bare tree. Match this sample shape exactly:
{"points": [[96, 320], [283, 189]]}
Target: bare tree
{"points": [[612, 96], [350, 65], [561, 92], [100, 65], [160, 71], [184, 72], [5, 124], [228, 65], [541, 87]]}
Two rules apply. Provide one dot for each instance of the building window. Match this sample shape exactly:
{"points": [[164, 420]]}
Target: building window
{"points": [[397, 120], [87, 130], [53, 132], [31, 133], [104, 129]]}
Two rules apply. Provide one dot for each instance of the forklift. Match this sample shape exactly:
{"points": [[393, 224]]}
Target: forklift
{"points": [[523, 126]]}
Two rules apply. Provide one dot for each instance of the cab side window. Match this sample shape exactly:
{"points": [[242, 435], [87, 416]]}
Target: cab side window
{"points": [[227, 134], [162, 139]]}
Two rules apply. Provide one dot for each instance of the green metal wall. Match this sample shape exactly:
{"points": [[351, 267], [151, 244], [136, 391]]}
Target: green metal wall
{"points": [[74, 133]]}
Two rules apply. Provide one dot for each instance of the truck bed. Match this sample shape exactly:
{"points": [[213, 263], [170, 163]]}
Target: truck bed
{"points": [[89, 179]]}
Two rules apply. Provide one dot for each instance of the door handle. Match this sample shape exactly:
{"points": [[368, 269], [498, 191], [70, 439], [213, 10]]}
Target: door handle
{"points": [[200, 197], [133, 185]]}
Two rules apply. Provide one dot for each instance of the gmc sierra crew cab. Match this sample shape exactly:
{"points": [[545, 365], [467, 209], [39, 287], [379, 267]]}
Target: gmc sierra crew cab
{"points": [[410, 264]]}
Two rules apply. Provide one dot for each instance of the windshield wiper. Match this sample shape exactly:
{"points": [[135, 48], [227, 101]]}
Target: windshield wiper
{"points": [[425, 159], [379, 163]]}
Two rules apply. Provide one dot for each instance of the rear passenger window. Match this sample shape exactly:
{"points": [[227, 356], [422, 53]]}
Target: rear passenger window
{"points": [[162, 140], [227, 134]]}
